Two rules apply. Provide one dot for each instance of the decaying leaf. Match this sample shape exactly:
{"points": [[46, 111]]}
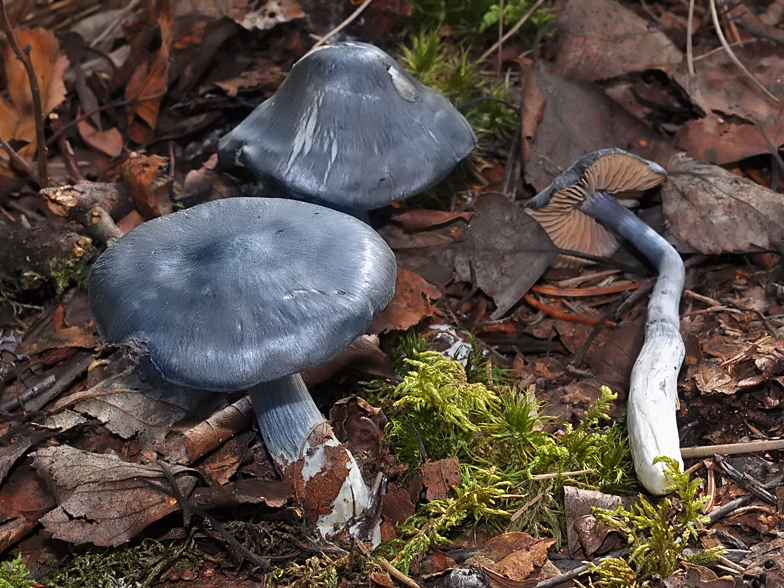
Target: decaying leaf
{"points": [[714, 211], [440, 476], [601, 39], [109, 142], [579, 118], [16, 117], [740, 120], [101, 498], [586, 535], [260, 16], [412, 303], [150, 183], [132, 403]]}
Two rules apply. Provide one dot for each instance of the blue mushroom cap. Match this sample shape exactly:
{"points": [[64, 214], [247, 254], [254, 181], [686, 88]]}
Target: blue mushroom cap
{"points": [[235, 292], [350, 128]]}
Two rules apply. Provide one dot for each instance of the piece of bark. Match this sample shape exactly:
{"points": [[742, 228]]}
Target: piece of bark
{"points": [[42, 252], [93, 205]]}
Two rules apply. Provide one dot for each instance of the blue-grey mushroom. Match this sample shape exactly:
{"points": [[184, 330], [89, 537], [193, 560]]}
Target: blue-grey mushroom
{"points": [[351, 129], [246, 293], [586, 191]]}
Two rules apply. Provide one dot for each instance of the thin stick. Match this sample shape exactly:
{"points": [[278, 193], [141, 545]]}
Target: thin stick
{"points": [[511, 31], [66, 151], [24, 57], [20, 163], [341, 26], [583, 292], [732, 448], [733, 57], [689, 33], [555, 313], [391, 570], [500, 35]]}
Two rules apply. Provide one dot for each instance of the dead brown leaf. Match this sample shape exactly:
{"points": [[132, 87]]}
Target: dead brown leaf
{"points": [[250, 15], [741, 121], [697, 577], [425, 219], [714, 211], [101, 498], [360, 425], [362, 356], [150, 182], [601, 39], [612, 353], [24, 498], [80, 336], [109, 142], [579, 118], [440, 476], [17, 120], [586, 535], [147, 85], [411, 304]]}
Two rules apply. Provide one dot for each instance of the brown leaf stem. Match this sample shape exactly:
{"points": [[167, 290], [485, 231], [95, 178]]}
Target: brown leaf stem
{"points": [[23, 55], [17, 160]]}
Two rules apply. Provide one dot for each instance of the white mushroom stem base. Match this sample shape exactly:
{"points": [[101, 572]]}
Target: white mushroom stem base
{"points": [[653, 389], [325, 476]]}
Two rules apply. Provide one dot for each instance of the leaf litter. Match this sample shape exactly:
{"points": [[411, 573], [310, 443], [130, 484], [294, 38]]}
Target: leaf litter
{"points": [[167, 88]]}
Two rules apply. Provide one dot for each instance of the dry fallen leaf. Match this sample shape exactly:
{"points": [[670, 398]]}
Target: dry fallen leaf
{"points": [[714, 211], [579, 118], [150, 182], [440, 476], [101, 498], [601, 39], [412, 303], [17, 121], [740, 121]]}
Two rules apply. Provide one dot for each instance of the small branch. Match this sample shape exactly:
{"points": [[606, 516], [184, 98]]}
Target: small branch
{"points": [[555, 313], [65, 150], [732, 448], [341, 26], [511, 31], [24, 57], [17, 160], [731, 53]]}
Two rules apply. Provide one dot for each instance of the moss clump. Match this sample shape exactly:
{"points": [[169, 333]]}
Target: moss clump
{"points": [[657, 535], [498, 433], [137, 566], [14, 574], [75, 269], [472, 22]]}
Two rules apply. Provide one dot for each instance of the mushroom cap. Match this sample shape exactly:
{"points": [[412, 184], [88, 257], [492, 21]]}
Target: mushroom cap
{"points": [[235, 292], [349, 127], [557, 207]]}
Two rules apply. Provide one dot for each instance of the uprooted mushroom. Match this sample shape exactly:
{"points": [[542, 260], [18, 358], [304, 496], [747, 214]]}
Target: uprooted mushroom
{"points": [[246, 293], [588, 188]]}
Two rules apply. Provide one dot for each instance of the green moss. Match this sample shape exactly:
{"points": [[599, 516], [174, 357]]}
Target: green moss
{"points": [[473, 22], [76, 270], [499, 435], [14, 574], [657, 535], [130, 566]]}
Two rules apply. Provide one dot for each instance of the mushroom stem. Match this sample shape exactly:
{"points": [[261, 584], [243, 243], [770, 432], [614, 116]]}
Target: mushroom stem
{"points": [[286, 414], [653, 389], [293, 429]]}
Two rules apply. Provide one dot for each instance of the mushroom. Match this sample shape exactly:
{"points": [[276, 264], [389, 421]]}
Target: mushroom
{"points": [[246, 293], [587, 188], [349, 128], [557, 207]]}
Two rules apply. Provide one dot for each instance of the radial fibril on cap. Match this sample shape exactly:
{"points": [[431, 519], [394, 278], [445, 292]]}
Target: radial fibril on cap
{"points": [[557, 207]]}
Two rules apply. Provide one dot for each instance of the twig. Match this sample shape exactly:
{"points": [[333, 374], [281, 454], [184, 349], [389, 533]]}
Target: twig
{"points": [[20, 163], [583, 292], [25, 395], [578, 571], [733, 57], [721, 512], [689, 34], [732, 448], [24, 57], [555, 313], [341, 26], [511, 31], [65, 150], [745, 481], [390, 569]]}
